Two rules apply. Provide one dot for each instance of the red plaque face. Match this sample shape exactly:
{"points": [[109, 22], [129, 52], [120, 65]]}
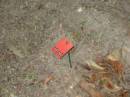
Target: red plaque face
{"points": [[62, 47]]}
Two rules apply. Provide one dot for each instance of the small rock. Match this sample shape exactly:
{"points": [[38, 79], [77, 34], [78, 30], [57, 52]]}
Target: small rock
{"points": [[80, 9]]}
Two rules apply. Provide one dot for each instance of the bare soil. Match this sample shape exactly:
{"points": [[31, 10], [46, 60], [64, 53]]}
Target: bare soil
{"points": [[29, 28]]}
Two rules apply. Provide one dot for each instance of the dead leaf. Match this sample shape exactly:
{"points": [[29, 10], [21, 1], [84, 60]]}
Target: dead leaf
{"points": [[114, 55], [109, 85], [105, 74], [93, 65], [94, 77], [117, 66], [124, 93], [99, 59], [114, 60], [48, 79], [90, 89]]}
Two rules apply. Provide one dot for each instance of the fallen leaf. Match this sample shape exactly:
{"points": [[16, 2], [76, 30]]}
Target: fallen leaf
{"points": [[85, 66], [90, 89], [99, 59], [93, 77], [93, 65], [48, 79], [114, 60], [109, 85], [124, 93], [117, 66], [105, 74], [114, 55]]}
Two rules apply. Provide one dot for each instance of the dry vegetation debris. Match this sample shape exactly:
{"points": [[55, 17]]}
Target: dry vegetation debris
{"points": [[106, 77]]}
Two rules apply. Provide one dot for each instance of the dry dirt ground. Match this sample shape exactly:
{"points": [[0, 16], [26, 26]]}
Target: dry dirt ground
{"points": [[29, 28]]}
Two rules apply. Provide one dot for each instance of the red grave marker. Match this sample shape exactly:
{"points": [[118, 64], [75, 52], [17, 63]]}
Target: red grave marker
{"points": [[62, 47]]}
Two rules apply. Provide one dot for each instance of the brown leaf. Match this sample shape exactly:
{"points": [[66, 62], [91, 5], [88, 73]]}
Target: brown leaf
{"points": [[99, 59], [117, 66], [48, 79], [114, 60], [90, 89], [93, 77], [109, 85], [124, 93], [105, 74]]}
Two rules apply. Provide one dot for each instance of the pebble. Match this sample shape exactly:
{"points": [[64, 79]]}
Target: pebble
{"points": [[80, 9]]}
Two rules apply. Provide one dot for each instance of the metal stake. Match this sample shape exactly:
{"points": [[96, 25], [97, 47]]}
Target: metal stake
{"points": [[69, 60]]}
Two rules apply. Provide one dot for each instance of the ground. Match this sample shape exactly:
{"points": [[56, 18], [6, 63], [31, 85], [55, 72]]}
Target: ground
{"points": [[29, 28]]}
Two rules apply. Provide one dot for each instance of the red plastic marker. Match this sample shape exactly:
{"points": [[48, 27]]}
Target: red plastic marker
{"points": [[62, 47]]}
